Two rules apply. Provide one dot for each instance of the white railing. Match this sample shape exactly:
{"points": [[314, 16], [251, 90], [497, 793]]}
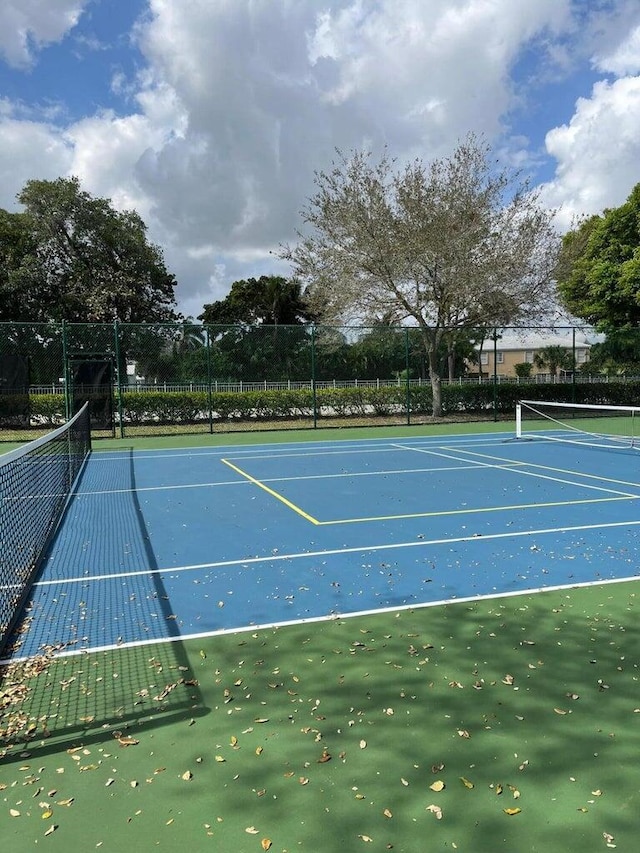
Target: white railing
{"points": [[291, 385]]}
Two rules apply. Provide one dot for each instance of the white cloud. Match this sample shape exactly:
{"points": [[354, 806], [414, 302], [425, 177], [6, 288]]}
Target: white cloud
{"points": [[598, 151], [28, 148], [241, 100], [27, 25], [625, 58]]}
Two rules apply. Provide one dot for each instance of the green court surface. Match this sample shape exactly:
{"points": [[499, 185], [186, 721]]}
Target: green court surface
{"points": [[503, 724]]}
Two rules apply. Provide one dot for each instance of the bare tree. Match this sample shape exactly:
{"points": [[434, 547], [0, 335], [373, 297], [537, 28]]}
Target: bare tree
{"points": [[448, 247]]}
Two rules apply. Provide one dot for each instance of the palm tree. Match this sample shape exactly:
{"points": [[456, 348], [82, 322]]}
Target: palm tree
{"points": [[555, 357]]}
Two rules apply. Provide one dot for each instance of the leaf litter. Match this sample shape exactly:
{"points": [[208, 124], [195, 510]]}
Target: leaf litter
{"points": [[267, 704]]}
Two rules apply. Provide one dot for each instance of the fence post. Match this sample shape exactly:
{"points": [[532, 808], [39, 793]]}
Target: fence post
{"points": [[406, 370], [116, 338], [209, 393], [313, 377], [66, 374], [495, 375], [573, 366]]}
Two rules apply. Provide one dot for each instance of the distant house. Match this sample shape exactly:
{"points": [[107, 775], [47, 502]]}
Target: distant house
{"points": [[521, 349]]}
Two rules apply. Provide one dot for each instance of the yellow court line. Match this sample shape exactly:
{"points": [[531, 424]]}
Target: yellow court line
{"points": [[271, 492], [475, 510]]}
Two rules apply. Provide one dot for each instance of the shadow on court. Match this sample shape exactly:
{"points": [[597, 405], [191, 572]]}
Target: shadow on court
{"points": [[514, 718], [71, 696]]}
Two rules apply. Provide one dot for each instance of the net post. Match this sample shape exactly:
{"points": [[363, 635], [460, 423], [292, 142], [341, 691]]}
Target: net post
{"points": [[518, 420]]}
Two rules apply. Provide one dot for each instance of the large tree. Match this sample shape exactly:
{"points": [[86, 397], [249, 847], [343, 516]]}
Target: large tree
{"points": [[260, 329], [599, 268], [269, 300], [70, 256], [449, 247]]}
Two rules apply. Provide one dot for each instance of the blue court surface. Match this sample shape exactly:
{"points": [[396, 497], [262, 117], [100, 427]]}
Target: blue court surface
{"points": [[183, 543]]}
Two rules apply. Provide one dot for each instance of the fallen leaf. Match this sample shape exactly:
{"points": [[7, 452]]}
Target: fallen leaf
{"points": [[303, 780], [511, 812], [46, 814], [387, 813], [251, 830], [259, 750], [466, 782], [438, 786], [365, 838], [436, 810], [363, 744], [265, 843], [324, 757], [51, 829], [14, 812], [464, 733], [220, 759], [187, 775], [126, 740]]}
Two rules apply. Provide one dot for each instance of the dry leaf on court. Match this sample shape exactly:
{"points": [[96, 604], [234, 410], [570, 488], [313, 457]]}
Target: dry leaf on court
{"points": [[438, 786], [125, 740], [436, 810], [511, 812]]}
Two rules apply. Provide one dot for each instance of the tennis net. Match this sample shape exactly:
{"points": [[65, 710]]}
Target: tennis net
{"points": [[36, 482], [579, 423]]}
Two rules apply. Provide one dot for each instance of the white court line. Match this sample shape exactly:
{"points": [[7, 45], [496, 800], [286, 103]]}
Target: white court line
{"points": [[517, 468], [473, 467], [331, 617], [145, 454], [387, 546]]}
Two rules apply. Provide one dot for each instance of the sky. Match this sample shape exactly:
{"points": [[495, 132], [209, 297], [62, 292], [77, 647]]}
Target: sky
{"points": [[210, 117]]}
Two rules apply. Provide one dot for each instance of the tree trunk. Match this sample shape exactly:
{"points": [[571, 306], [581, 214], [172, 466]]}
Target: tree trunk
{"points": [[451, 361], [436, 384]]}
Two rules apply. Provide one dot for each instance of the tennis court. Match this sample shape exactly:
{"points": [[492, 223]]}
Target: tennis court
{"points": [[186, 543], [405, 642]]}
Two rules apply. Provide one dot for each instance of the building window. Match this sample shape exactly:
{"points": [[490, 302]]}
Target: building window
{"points": [[484, 358], [500, 357], [528, 356]]}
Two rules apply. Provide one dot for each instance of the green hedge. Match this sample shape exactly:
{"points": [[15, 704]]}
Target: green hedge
{"points": [[183, 407]]}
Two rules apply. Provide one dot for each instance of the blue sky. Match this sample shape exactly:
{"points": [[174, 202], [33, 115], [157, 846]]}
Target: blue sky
{"points": [[210, 117]]}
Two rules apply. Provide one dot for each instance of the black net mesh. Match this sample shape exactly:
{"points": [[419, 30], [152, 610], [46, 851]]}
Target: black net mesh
{"points": [[35, 483]]}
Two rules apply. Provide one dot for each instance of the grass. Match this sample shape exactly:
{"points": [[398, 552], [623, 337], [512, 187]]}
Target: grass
{"points": [[505, 724]]}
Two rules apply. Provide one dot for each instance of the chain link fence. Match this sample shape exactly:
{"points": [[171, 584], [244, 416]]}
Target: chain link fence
{"points": [[146, 379]]}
